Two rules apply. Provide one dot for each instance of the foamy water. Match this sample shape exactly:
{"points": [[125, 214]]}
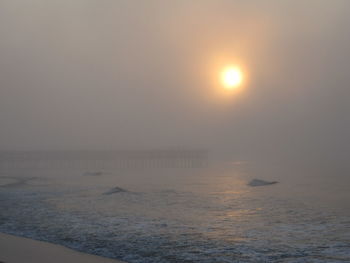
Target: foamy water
{"points": [[179, 215]]}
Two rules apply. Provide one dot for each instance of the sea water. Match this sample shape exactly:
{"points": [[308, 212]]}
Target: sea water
{"points": [[200, 214]]}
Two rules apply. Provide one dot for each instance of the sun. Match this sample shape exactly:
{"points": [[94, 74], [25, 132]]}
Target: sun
{"points": [[232, 77]]}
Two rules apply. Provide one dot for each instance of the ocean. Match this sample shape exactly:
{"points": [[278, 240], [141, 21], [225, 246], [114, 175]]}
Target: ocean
{"points": [[176, 213]]}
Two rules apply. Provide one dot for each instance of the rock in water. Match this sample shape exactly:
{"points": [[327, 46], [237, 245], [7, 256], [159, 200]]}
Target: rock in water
{"points": [[116, 190], [258, 182]]}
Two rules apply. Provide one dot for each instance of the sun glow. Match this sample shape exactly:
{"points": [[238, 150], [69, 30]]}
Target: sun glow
{"points": [[231, 77]]}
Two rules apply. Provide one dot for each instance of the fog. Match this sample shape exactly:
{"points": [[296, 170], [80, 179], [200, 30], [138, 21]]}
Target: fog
{"points": [[96, 75]]}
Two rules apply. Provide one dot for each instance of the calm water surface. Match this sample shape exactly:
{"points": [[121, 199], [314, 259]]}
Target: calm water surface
{"points": [[181, 215]]}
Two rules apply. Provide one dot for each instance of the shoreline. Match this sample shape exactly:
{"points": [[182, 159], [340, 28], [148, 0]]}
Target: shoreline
{"points": [[15, 249]]}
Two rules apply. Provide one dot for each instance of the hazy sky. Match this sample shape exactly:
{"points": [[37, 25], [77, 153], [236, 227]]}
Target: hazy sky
{"points": [[127, 74]]}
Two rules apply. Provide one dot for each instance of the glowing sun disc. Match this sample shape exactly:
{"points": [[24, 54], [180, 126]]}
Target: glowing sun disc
{"points": [[232, 77]]}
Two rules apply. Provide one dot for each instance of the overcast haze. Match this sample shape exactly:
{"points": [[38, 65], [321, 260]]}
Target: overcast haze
{"points": [[142, 74]]}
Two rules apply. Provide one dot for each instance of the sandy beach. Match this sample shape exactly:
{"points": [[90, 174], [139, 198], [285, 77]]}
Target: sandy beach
{"points": [[18, 250]]}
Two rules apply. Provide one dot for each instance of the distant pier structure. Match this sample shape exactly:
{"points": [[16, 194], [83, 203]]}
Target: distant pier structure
{"points": [[96, 160]]}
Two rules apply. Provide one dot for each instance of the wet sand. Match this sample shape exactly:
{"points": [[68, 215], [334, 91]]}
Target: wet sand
{"points": [[15, 249]]}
